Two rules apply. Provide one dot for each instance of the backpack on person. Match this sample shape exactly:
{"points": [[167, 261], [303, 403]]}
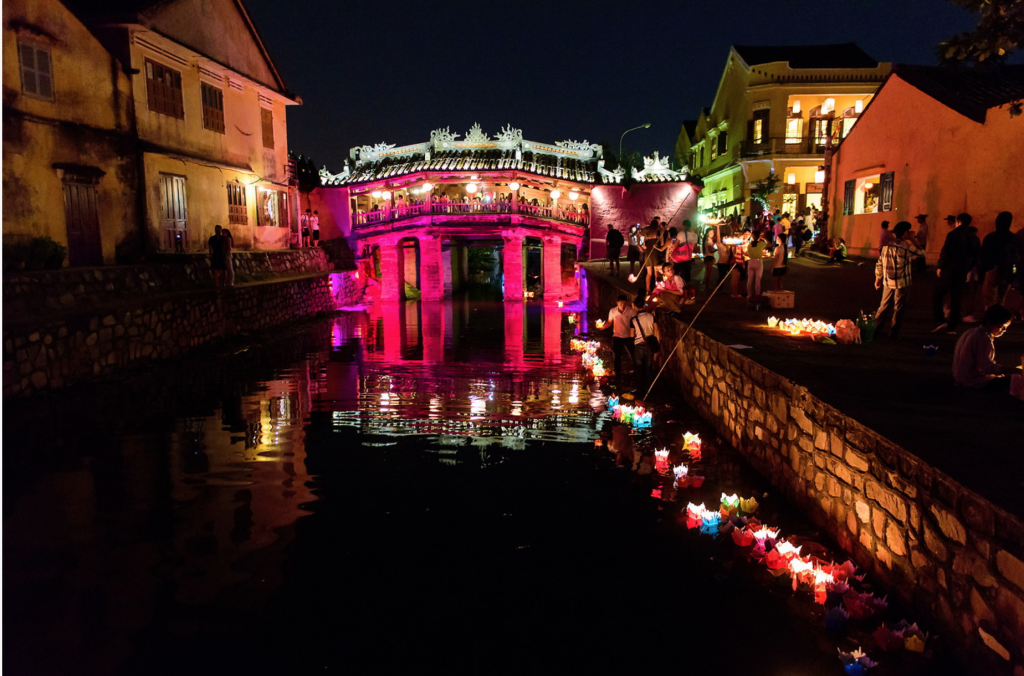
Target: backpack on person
{"points": [[651, 341], [614, 239], [682, 253]]}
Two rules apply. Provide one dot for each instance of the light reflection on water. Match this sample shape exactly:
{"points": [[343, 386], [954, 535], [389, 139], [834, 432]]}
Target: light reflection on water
{"points": [[173, 492]]}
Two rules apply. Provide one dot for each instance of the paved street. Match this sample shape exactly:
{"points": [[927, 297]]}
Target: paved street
{"points": [[890, 386]]}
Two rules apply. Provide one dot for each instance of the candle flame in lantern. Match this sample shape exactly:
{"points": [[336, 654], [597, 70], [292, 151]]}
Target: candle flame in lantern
{"points": [[631, 278], [787, 550], [765, 532]]}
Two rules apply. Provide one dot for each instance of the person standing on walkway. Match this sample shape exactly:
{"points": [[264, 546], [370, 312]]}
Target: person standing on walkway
{"points": [[684, 250], [755, 265], [633, 248], [955, 260], [708, 249], [613, 241], [654, 252], [304, 227], [998, 256], [216, 246], [643, 325], [884, 236], [892, 276], [922, 232], [622, 338], [974, 357], [314, 224], [229, 261], [779, 264]]}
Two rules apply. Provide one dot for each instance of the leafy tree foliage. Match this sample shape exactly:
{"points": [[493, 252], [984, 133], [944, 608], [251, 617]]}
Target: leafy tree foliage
{"points": [[999, 32]]}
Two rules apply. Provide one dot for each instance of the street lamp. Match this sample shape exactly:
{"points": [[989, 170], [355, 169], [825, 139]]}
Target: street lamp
{"points": [[643, 126]]}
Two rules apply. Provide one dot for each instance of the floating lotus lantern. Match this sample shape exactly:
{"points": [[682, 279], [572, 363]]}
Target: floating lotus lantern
{"points": [[748, 505], [856, 663], [695, 511], [787, 551], [599, 323], [730, 504], [888, 639], [681, 474], [613, 401], [642, 420], [743, 537], [821, 582], [765, 533], [914, 639], [692, 443], [661, 461], [811, 327], [631, 278], [836, 618], [773, 322]]}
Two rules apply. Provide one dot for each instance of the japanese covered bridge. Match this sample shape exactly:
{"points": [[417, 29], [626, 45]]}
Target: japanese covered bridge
{"points": [[417, 208]]}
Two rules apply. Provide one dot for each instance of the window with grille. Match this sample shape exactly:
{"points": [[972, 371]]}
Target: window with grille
{"points": [[237, 212], [213, 108], [267, 118], [163, 89], [36, 71]]}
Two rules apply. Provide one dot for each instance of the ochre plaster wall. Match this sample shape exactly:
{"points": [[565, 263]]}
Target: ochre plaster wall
{"points": [[944, 163], [87, 123]]}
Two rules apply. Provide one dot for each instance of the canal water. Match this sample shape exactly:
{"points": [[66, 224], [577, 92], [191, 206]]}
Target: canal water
{"points": [[415, 487]]}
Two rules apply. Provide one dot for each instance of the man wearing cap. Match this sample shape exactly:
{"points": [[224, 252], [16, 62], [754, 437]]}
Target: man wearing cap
{"points": [[955, 260]]}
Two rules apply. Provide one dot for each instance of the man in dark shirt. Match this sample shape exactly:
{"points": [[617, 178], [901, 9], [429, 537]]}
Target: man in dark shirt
{"points": [[614, 242], [959, 254], [217, 246], [998, 257]]}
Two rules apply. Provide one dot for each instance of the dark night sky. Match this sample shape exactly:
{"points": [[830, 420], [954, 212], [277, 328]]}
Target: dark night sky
{"points": [[392, 70]]}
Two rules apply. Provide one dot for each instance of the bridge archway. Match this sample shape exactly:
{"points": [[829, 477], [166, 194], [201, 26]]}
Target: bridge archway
{"points": [[409, 264]]}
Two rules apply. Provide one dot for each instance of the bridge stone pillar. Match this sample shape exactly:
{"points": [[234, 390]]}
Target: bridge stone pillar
{"points": [[512, 266], [390, 271], [551, 268], [432, 325], [431, 274]]}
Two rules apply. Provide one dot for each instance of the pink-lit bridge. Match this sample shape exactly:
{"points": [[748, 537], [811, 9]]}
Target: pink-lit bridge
{"points": [[415, 210]]}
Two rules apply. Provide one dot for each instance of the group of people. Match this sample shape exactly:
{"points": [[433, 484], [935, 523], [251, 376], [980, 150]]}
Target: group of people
{"points": [[670, 253], [964, 260], [309, 224], [631, 324]]}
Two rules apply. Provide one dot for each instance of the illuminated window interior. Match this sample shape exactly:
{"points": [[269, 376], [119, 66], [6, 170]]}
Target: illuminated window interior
{"points": [[794, 130], [865, 195], [758, 130]]}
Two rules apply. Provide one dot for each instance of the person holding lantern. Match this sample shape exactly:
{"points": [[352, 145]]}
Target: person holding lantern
{"points": [[670, 290]]}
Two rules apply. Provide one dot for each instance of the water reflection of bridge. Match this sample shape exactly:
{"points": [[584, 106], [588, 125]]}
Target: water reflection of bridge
{"points": [[488, 371]]}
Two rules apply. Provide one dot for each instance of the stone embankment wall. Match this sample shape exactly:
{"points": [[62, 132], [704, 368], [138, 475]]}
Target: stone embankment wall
{"points": [[33, 293], [954, 557], [56, 349]]}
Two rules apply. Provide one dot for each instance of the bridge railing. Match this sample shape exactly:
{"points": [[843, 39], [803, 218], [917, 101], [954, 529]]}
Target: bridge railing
{"points": [[470, 208]]}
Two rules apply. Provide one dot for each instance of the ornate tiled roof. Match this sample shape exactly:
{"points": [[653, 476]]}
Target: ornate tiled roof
{"points": [[577, 161]]}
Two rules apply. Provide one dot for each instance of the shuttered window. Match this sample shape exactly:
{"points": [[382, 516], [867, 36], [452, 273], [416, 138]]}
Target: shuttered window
{"points": [[723, 143], [213, 108], [163, 89], [886, 188], [267, 118], [36, 71], [238, 214], [850, 188]]}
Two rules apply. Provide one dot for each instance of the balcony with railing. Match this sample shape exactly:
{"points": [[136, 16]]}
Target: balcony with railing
{"points": [[783, 146], [453, 210]]}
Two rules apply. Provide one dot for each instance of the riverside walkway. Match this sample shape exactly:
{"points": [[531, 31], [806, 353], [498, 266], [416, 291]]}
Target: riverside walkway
{"points": [[892, 387]]}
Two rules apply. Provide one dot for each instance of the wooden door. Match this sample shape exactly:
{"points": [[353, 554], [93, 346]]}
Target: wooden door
{"points": [[83, 223], [174, 207]]}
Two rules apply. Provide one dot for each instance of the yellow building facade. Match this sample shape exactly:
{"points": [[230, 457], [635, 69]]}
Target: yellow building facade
{"points": [[69, 152], [155, 125], [774, 112], [211, 119]]}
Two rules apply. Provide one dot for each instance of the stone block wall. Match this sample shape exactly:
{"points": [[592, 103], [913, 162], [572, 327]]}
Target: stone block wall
{"points": [[37, 292], [84, 343], [954, 557]]}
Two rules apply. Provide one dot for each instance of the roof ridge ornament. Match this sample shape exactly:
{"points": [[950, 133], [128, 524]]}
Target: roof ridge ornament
{"points": [[476, 135], [509, 135], [578, 146], [441, 138], [659, 167], [327, 178]]}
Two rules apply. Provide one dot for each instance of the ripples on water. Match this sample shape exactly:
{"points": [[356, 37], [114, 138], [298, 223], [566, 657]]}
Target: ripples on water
{"points": [[136, 501]]}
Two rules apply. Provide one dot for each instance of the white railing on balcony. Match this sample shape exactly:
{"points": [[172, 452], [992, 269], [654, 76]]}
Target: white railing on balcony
{"points": [[579, 217]]}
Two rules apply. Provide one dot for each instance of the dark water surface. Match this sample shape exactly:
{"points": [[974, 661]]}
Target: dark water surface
{"points": [[414, 488]]}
